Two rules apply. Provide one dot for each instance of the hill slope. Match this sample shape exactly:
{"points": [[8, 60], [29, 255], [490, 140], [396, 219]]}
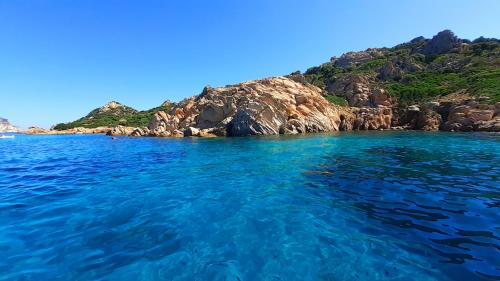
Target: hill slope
{"points": [[416, 71], [114, 114]]}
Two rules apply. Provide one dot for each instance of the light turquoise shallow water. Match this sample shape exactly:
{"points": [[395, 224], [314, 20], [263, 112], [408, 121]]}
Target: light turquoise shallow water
{"points": [[350, 206]]}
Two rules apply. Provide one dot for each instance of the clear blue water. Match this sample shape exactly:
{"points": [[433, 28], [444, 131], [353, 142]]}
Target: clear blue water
{"points": [[351, 206]]}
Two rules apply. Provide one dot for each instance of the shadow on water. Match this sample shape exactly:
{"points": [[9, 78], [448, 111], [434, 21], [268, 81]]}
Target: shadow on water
{"points": [[446, 202]]}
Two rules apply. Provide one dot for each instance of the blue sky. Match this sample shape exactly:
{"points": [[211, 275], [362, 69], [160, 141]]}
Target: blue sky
{"points": [[59, 59]]}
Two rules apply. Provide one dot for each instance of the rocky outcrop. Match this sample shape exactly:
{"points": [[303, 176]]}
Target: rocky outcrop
{"points": [[354, 58], [472, 116], [359, 91], [449, 63], [423, 117], [115, 107], [394, 70], [5, 126], [269, 106], [441, 43], [353, 118], [120, 131], [77, 130], [456, 112]]}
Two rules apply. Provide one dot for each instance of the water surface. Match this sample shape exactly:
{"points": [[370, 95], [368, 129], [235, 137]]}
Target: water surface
{"points": [[350, 206]]}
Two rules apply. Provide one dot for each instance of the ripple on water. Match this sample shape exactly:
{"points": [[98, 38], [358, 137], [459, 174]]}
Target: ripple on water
{"points": [[353, 206], [428, 195]]}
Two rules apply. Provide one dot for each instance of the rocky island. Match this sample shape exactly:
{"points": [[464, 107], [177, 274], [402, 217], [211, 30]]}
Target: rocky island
{"points": [[6, 127], [443, 83]]}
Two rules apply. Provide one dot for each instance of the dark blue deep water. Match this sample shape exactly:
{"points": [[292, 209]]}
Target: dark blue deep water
{"points": [[351, 206]]}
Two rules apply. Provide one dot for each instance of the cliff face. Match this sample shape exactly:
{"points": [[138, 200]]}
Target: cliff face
{"points": [[5, 126]]}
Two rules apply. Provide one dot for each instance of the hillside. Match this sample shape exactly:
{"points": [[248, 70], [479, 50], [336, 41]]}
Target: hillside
{"points": [[442, 83], [413, 72], [114, 114]]}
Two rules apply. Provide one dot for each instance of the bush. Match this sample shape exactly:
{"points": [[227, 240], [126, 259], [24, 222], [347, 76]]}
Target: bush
{"points": [[336, 100]]}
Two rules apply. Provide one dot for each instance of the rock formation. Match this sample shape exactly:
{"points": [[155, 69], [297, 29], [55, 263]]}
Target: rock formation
{"points": [[365, 118], [5, 126], [77, 130], [396, 68], [354, 58], [114, 106], [359, 91], [269, 106], [120, 131], [456, 112], [441, 43]]}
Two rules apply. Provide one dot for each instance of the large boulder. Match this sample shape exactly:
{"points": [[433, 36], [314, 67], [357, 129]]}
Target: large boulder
{"points": [[269, 106]]}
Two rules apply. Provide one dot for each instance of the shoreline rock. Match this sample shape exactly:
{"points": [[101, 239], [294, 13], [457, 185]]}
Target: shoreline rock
{"points": [[6, 127], [74, 131], [270, 106]]}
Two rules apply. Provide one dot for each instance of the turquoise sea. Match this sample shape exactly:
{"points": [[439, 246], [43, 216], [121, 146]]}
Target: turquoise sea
{"points": [[347, 206]]}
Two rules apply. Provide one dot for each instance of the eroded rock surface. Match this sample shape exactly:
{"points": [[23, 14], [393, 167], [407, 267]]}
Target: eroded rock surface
{"points": [[472, 116], [456, 112], [353, 58], [269, 106], [120, 131], [359, 91], [365, 118]]}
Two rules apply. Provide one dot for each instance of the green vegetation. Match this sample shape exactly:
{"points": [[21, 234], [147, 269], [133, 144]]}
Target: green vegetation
{"points": [[122, 115], [336, 100], [473, 67], [422, 86]]}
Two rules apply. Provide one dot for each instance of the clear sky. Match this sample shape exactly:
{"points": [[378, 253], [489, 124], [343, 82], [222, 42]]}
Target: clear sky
{"points": [[59, 59]]}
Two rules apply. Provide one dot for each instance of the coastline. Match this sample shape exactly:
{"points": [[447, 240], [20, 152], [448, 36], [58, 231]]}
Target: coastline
{"points": [[286, 105]]}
